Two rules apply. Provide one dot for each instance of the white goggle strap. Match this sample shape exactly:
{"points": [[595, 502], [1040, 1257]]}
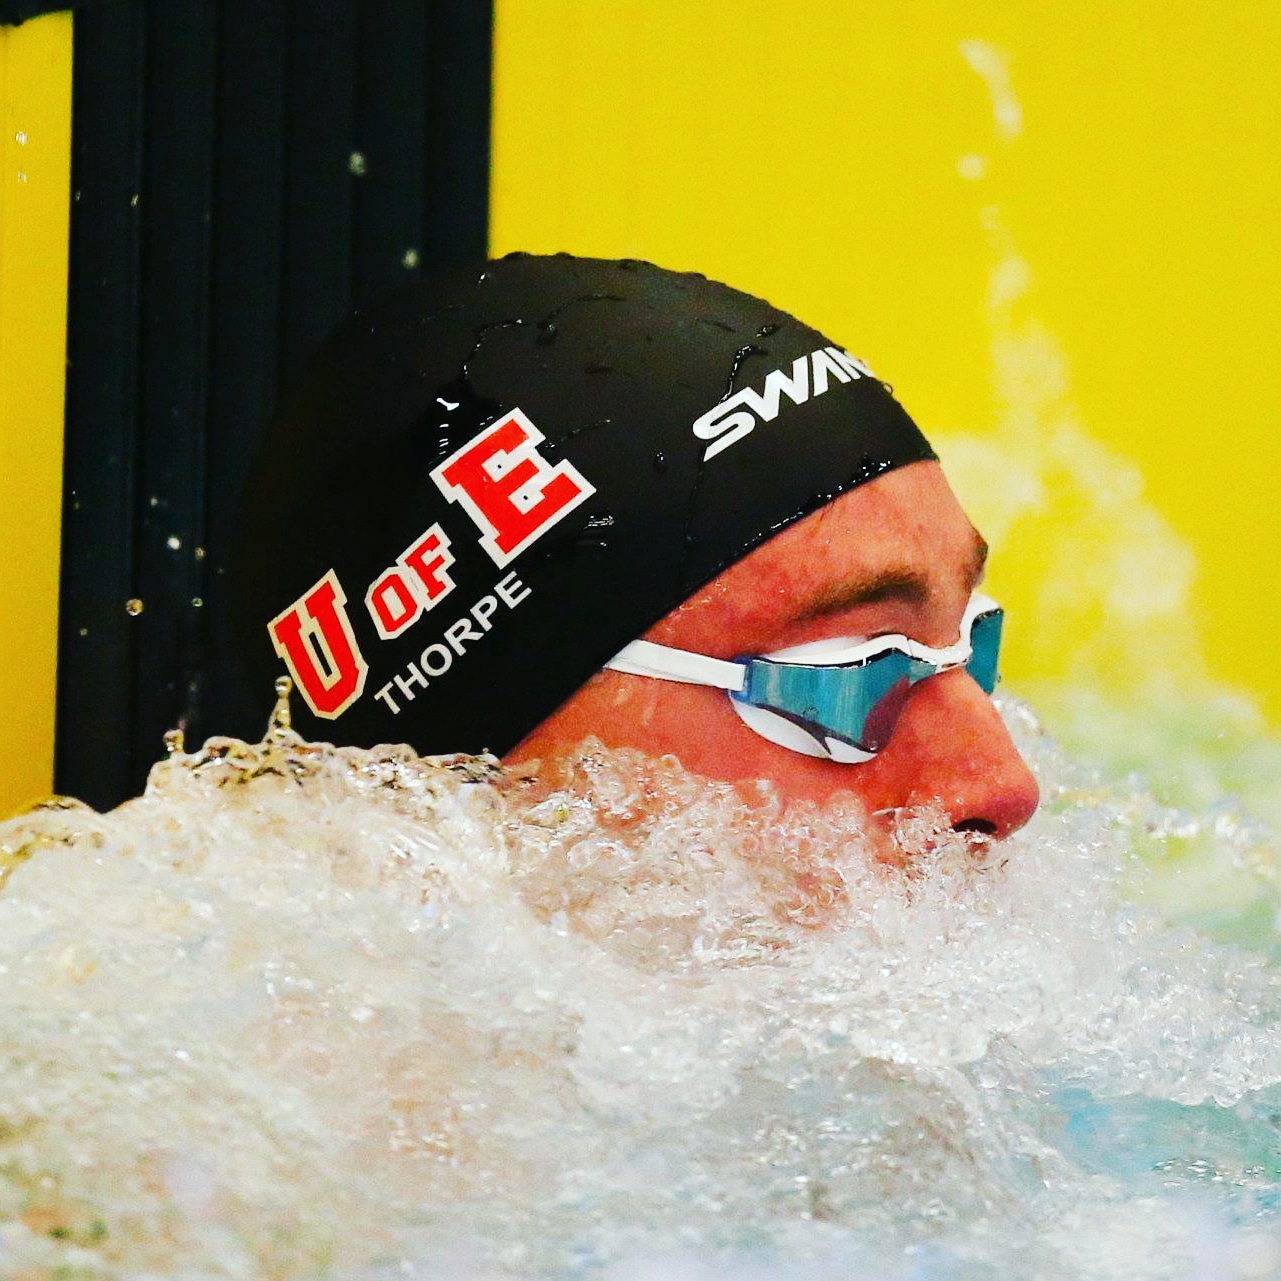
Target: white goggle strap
{"points": [[644, 658]]}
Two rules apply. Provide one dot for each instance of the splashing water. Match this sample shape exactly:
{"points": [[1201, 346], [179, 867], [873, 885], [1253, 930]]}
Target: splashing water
{"points": [[306, 1010], [303, 1010]]}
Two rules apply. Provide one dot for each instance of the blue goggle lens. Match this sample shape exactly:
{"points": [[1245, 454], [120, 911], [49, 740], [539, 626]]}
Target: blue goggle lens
{"points": [[859, 703]]}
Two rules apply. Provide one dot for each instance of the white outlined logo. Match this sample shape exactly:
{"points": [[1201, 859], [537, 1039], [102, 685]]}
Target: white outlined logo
{"points": [[738, 414]]}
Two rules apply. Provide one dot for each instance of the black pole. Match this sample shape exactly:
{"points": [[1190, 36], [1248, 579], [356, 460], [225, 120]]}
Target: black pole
{"points": [[243, 173]]}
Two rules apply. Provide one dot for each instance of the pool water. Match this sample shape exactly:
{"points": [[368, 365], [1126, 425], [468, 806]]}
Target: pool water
{"points": [[305, 1011]]}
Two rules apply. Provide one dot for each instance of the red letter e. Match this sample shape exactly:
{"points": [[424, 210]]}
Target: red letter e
{"points": [[510, 490]]}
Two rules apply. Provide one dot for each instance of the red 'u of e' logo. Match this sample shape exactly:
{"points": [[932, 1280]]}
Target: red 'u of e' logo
{"points": [[514, 496]]}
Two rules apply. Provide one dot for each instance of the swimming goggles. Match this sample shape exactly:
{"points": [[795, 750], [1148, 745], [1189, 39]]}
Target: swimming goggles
{"points": [[838, 698]]}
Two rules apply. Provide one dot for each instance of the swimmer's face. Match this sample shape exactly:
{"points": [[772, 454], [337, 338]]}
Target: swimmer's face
{"points": [[896, 555]]}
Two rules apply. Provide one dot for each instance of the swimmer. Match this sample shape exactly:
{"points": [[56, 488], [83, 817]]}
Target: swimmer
{"points": [[486, 491]]}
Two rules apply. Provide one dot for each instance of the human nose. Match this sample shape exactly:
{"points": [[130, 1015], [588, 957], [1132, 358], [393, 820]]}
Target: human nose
{"points": [[950, 746]]}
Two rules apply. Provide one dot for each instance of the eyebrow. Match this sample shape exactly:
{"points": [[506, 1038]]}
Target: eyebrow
{"points": [[909, 586]]}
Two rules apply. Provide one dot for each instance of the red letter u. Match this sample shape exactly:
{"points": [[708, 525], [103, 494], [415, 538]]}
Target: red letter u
{"points": [[315, 639]]}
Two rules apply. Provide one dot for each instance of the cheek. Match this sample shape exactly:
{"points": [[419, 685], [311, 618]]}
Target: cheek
{"points": [[701, 728]]}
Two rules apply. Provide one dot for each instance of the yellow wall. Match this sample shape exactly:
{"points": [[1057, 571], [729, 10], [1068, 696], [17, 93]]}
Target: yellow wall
{"points": [[35, 142], [1055, 227]]}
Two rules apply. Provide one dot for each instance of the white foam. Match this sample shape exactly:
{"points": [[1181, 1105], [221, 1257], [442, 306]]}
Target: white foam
{"points": [[301, 1009]]}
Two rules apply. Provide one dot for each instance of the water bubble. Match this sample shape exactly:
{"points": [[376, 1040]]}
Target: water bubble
{"points": [[133, 201], [20, 138], [173, 542], [197, 602], [1255, 1254], [971, 167], [742, 355], [133, 607], [326, 1008], [22, 177], [199, 553], [409, 259], [356, 164]]}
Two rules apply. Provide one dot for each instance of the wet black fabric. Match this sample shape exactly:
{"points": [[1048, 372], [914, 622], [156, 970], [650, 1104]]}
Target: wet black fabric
{"points": [[613, 362]]}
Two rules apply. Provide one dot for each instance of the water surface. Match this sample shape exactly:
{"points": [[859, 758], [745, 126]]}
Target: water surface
{"points": [[305, 1011]]}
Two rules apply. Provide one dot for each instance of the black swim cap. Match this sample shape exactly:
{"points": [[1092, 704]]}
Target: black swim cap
{"points": [[487, 485]]}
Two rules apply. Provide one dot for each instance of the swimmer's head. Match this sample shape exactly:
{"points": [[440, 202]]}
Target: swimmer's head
{"points": [[484, 488]]}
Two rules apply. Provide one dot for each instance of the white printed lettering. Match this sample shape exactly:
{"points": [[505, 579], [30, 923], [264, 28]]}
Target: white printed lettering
{"points": [[512, 590], [460, 631], [737, 415], [483, 610], [438, 657], [412, 674], [446, 656], [825, 362]]}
